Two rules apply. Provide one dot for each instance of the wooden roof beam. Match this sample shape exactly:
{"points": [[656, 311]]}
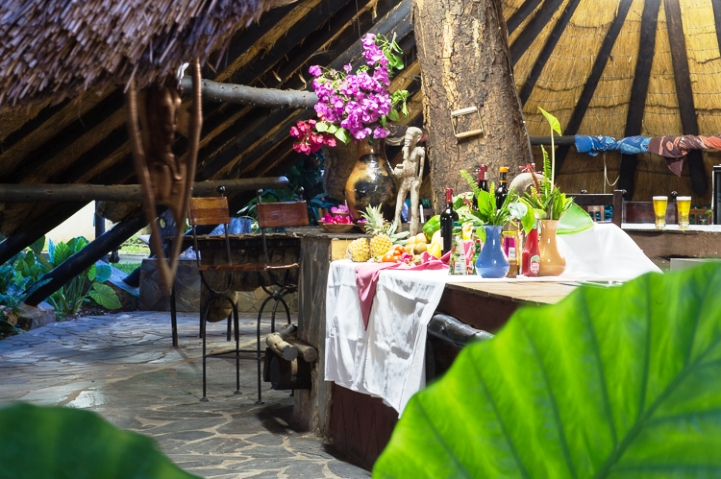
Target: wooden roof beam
{"points": [[533, 28], [547, 50], [589, 89], [639, 92], [684, 92], [521, 14]]}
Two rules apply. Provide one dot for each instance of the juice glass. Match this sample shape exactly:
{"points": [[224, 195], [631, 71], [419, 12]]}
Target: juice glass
{"points": [[659, 209], [683, 204]]}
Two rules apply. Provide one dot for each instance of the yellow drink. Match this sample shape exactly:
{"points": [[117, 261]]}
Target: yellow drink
{"points": [[683, 204], [659, 208]]}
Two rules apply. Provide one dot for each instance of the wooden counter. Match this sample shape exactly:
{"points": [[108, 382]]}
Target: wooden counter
{"points": [[662, 245]]}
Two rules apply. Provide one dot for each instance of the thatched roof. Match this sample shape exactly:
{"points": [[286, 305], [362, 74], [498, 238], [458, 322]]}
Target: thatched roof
{"points": [[620, 68], [559, 48], [55, 49]]}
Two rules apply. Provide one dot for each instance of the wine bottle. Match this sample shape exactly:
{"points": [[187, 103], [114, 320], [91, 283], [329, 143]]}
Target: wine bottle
{"points": [[482, 181], [483, 177], [502, 189], [448, 217]]}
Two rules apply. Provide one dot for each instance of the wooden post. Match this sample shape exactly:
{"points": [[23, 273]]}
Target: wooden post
{"points": [[465, 62]]}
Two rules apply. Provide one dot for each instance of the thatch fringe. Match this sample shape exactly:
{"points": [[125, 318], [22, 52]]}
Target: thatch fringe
{"points": [[54, 49]]}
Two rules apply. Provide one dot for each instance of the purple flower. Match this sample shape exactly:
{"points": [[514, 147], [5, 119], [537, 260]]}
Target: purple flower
{"points": [[347, 68], [315, 71]]}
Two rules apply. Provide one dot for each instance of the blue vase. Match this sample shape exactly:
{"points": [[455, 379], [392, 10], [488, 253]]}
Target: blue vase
{"points": [[492, 261]]}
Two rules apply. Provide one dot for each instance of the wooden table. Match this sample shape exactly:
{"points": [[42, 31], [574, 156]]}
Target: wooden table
{"points": [[359, 425]]}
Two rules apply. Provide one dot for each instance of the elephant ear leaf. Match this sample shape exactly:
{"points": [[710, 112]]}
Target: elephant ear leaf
{"points": [[68, 442], [609, 382]]}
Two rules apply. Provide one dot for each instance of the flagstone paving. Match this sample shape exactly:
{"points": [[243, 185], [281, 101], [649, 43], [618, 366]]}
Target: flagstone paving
{"points": [[123, 367]]}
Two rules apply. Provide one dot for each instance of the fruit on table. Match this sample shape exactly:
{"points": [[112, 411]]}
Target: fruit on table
{"points": [[394, 254], [359, 250], [435, 250], [384, 234], [432, 225]]}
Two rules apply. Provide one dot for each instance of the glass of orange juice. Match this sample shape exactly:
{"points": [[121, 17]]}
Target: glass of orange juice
{"points": [[659, 209], [683, 203]]}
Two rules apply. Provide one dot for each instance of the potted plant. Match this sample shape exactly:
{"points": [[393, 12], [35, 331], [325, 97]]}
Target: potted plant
{"points": [[358, 107], [492, 261], [549, 204]]}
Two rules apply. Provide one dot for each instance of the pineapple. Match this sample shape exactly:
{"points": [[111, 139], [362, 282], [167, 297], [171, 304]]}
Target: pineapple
{"points": [[384, 234], [359, 250]]}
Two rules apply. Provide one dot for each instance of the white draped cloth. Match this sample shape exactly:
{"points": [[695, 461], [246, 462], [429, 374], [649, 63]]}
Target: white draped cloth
{"points": [[387, 359]]}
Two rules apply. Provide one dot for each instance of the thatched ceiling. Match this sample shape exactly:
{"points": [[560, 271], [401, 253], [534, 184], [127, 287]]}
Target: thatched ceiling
{"points": [[583, 60], [55, 49]]}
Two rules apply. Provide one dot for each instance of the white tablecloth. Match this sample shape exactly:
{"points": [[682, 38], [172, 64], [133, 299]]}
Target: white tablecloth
{"points": [[387, 359]]}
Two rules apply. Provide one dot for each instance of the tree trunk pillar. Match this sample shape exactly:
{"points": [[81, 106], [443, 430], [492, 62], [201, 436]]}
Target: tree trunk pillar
{"points": [[465, 61]]}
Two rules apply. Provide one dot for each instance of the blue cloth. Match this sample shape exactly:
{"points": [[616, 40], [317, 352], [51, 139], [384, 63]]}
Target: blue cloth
{"points": [[631, 145]]}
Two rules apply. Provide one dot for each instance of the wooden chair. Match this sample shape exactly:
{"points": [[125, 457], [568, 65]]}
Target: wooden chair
{"points": [[214, 211], [595, 202]]}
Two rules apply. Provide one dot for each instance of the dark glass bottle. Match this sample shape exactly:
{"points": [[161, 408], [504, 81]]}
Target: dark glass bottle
{"points": [[482, 181], [448, 217], [483, 177], [502, 189]]}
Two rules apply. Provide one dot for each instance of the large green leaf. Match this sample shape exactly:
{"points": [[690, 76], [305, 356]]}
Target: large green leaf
{"points": [[55, 442], [104, 296], [610, 382], [574, 220]]}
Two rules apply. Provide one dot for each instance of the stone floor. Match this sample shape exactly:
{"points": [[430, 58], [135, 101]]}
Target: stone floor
{"points": [[123, 367]]}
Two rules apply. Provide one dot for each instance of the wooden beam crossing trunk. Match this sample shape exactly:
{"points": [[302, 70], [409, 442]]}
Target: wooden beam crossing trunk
{"points": [[465, 62]]}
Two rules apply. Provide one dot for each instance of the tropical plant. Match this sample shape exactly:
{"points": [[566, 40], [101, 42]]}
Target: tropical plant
{"points": [[68, 300], [609, 382], [545, 197], [555, 127], [23, 269], [488, 212], [354, 105], [55, 442]]}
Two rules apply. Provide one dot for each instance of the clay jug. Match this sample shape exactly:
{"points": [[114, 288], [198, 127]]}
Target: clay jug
{"points": [[372, 181], [552, 262]]}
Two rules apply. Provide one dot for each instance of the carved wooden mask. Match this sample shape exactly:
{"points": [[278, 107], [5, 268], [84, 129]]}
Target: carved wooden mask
{"points": [[155, 117]]}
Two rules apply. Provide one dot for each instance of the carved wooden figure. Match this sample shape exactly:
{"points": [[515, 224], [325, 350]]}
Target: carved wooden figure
{"points": [[165, 179], [410, 176]]}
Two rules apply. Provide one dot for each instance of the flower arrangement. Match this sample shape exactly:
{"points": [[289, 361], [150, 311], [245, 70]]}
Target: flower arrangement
{"points": [[354, 106]]}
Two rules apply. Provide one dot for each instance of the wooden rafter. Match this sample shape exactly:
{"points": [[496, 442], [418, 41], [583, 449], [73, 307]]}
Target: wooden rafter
{"points": [[639, 91], [521, 14], [684, 92], [547, 50], [534, 27], [579, 111]]}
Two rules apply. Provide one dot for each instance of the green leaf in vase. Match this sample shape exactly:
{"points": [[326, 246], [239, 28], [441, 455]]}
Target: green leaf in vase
{"points": [[574, 220], [552, 120], [55, 442], [610, 382]]}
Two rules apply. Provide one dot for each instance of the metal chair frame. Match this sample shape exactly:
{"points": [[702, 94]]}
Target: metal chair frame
{"points": [[283, 285]]}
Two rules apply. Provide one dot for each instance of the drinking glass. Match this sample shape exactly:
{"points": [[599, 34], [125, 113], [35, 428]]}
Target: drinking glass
{"points": [[683, 203], [659, 208]]}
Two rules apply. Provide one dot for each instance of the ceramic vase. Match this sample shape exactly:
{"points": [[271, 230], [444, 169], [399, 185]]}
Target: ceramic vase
{"points": [[372, 181], [492, 261], [552, 261]]}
